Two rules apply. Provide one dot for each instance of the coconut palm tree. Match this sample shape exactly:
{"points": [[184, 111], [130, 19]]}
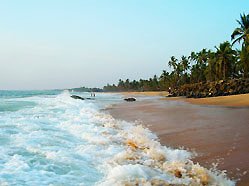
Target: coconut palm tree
{"points": [[202, 56], [200, 60], [242, 32], [210, 70], [195, 73], [173, 62], [184, 66], [244, 60], [164, 80], [185, 63], [164, 75], [121, 84], [225, 58]]}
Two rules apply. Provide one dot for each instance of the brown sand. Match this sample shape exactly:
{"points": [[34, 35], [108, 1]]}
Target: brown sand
{"points": [[241, 100], [147, 93], [217, 134]]}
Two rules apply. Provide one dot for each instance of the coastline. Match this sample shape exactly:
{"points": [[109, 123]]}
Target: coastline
{"points": [[241, 100], [217, 134], [147, 93]]}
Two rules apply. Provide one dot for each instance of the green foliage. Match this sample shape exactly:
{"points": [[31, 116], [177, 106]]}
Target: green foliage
{"points": [[152, 84], [85, 89], [242, 32], [206, 65]]}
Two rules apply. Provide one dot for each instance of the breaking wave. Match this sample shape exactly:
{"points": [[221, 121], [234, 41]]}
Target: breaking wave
{"points": [[62, 141]]}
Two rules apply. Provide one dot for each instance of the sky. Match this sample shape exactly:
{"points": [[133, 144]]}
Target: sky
{"points": [[50, 44]]}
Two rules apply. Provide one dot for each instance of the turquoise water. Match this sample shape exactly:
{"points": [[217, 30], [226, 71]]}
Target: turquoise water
{"points": [[48, 138], [9, 103], [38, 144], [23, 94]]}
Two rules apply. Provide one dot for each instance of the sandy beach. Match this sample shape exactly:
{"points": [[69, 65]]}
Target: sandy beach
{"points": [[217, 129], [241, 100], [147, 93]]}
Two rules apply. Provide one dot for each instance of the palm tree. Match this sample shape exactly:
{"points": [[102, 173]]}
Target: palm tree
{"points": [[200, 60], [127, 84], [185, 66], [242, 32], [172, 62], [244, 61], [179, 72], [210, 70], [121, 84], [164, 75], [202, 56], [185, 63], [225, 59], [164, 79], [194, 73]]}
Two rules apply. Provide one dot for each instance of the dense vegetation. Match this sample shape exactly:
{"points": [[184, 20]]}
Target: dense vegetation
{"points": [[85, 89], [224, 62]]}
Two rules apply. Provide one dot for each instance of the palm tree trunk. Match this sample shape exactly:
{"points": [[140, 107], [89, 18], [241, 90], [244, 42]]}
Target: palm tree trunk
{"points": [[224, 71]]}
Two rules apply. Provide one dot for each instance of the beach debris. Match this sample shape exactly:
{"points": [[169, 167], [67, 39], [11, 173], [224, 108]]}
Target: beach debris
{"points": [[130, 99]]}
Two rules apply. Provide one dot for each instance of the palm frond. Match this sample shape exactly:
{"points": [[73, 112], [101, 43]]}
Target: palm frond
{"points": [[238, 39], [236, 32], [244, 21]]}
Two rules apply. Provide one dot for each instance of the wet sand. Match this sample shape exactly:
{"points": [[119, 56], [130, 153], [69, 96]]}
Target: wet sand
{"points": [[217, 134]]}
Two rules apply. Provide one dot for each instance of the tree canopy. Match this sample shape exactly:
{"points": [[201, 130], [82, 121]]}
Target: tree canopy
{"points": [[221, 63]]}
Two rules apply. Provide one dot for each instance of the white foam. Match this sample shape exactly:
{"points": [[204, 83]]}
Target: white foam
{"points": [[67, 141], [120, 175], [15, 164], [145, 161]]}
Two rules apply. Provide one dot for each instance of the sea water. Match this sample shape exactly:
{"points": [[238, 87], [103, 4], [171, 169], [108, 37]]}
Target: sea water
{"points": [[48, 138]]}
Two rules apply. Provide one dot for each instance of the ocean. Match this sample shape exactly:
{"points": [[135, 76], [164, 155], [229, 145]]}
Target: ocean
{"points": [[48, 138]]}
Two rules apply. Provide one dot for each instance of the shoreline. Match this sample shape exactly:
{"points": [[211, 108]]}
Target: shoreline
{"points": [[239, 100], [146, 93], [217, 134]]}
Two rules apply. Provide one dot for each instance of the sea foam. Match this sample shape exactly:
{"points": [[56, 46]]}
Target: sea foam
{"points": [[62, 141], [144, 161]]}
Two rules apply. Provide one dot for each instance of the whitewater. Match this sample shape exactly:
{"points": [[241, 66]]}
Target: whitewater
{"points": [[48, 138]]}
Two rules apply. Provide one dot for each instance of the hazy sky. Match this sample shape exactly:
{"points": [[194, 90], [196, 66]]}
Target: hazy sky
{"points": [[61, 44]]}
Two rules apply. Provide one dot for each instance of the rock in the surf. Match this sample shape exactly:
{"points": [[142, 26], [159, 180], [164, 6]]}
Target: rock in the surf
{"points": [[77, 97], [130, 99]]}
